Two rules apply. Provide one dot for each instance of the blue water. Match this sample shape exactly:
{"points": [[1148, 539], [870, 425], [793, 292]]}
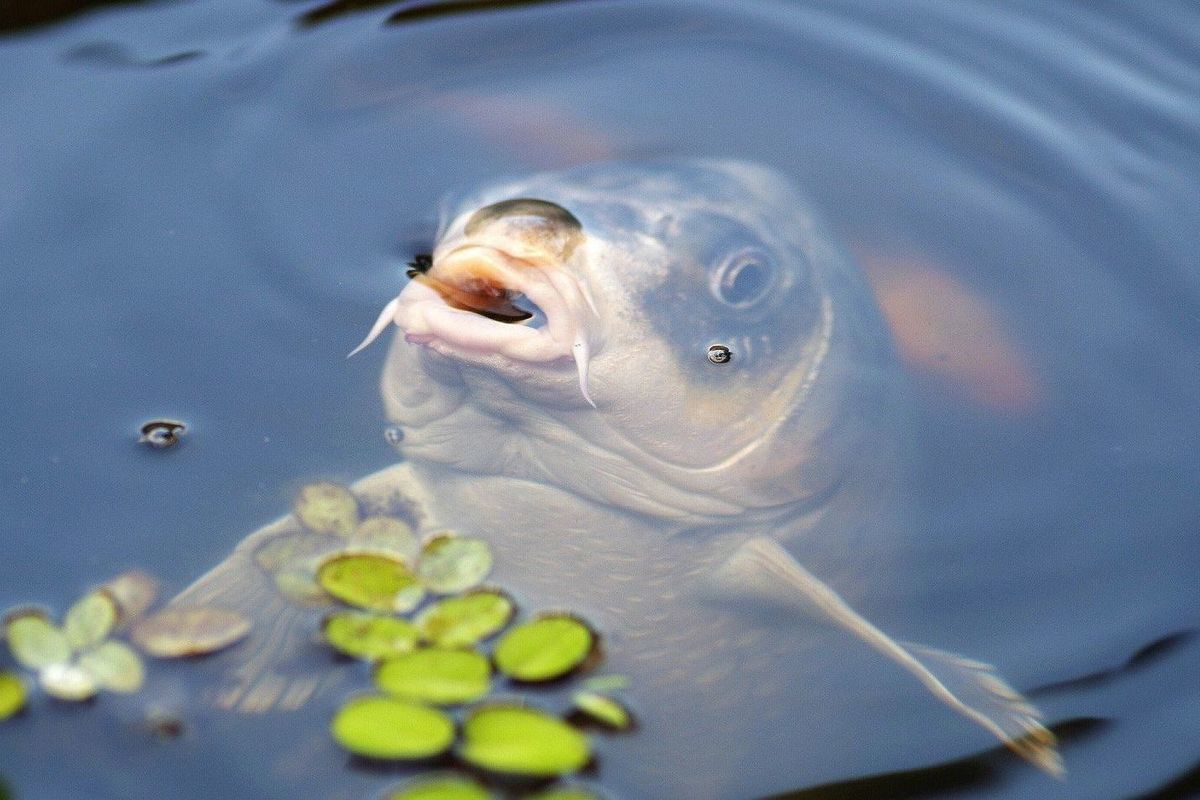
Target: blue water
{"points": [[206, 203]]}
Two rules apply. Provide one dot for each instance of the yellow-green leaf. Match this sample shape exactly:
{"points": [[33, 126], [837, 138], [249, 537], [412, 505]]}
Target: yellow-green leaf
{"points": [[12, 694], [524, 741], [439, 677], [90, 619], [369, 636], [603, 709], [114, 666], [327, 508], [440, 787], [383, 727], [373, 581], [35, 641], [544, 649], [465, 620]]}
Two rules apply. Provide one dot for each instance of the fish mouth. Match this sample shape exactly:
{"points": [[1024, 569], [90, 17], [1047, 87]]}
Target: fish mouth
{"points": [[479, 300]]}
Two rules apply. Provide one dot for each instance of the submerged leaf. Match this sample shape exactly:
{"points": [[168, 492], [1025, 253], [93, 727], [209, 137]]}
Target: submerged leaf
{"points": [[452, 564], [327, 508], [369, 636], [440, 787], [544, 649], [65, 681], [134, 592], [182, 631], [524, 741], [295, 550], [114, 666], [12, 694], [439, 677], [389, 535], [603, 709], [383, 727], [300, 587], [466, 620], [90, 619], [373, 581], [35, 641]]}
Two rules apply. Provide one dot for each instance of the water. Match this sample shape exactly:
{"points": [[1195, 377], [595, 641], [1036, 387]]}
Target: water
{"points": [[207, 202]]}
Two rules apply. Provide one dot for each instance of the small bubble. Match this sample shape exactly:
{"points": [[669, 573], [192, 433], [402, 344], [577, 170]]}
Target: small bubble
{"points": [[161, 433], [394, 435], [719, 354]]}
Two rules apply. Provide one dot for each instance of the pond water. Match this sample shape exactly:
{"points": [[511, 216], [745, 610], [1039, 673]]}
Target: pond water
{"points": [[206, 203]]}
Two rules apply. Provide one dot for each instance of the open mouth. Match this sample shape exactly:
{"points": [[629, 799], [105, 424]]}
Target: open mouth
{"points": [[480, 300]]}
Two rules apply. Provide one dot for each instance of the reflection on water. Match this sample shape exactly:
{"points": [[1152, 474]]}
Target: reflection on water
{"points": [[204, 208]]}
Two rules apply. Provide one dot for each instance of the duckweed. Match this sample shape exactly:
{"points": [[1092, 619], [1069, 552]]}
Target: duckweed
{"points": [[389, 535], [519, 740], [114, 666], [34, 641], [12, 694], [90, 619], [183, 631], [602, 709], [436, 676], [440, 787], [373, 581], [369, 636], [386, 728], [466, 620], [451, 564], [327, 508], [544, 649]]}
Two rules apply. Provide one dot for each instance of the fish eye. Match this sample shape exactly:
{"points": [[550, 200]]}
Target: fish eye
{"points": [[744, 279]]}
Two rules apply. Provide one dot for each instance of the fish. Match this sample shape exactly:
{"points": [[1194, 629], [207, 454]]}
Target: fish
{"points": [[666, 397]]}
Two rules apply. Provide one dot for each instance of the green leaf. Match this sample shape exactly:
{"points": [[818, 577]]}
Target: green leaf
{"points": [[383, 727], [67, 681], [603, 709], [327, 508], [12, 694], [452, 564], [523, 741], [90, 619], [439, 677], [544, 649], [466, 620], [373, 581], [114, 666], [369, 636], [35, 641], [440, 787], [184, 631]]}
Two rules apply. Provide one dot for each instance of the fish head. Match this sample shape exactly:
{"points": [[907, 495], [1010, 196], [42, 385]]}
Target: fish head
{"points": [[569, 329]]}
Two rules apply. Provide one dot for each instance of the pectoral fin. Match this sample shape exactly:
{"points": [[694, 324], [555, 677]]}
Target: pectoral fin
{"points": [[763, 569]]}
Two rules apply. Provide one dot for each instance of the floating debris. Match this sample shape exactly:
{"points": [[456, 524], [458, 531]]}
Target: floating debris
{"points": [[375, 726], [373, 581], [12, 694], [435, 676], [466, 620], [545, 648], [327, 508], [90, 619], [162, 433], [446, 786], [34, 641], [605, 710], [451, 564], [519, 740], [369, 636], [184, 631], [114, 666], [719, 354]]}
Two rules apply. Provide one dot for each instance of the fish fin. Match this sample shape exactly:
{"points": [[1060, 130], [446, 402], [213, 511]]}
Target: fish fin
{"points": [[385, 318], [582, 355], [763, 568]]}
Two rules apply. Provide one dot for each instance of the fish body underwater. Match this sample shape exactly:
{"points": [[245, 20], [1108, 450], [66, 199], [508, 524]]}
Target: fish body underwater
{"points": [[554, 393]]}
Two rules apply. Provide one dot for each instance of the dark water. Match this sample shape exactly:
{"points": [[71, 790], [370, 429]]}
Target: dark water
{"points": [[205, 204]]}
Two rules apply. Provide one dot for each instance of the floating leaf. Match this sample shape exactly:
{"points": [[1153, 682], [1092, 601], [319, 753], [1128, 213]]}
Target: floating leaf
{"points": [[65, 681], [452, 564], [114, 666], [12, 694], [389, 535], [369, 636], [370, 580], [182, 631], [300, 586], [327, 508], [35, 641], [603, 709], [440, 677], [134, 592], [383, 727], [440, 787], [466, 620], [90, 619], [296, 550], [523, 741], [607, 683], [544, 649], [564, 793]]}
